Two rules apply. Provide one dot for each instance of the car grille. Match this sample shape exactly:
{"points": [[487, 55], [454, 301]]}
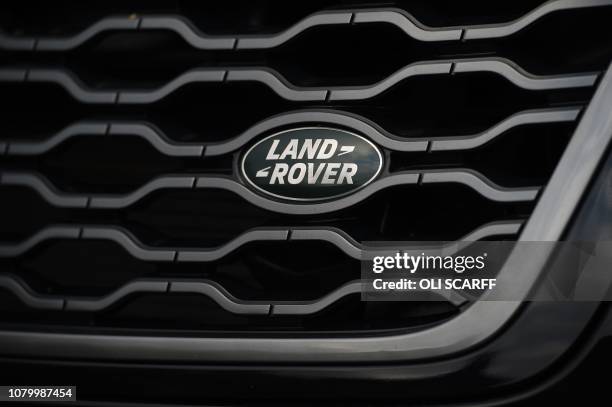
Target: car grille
{"points": [[122, 208]]}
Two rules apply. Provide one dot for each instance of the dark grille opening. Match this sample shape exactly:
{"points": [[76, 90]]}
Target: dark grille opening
{"points": [[107, 228]]}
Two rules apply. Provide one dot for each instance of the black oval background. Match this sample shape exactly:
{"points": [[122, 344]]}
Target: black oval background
{"points": [[366, 155]]}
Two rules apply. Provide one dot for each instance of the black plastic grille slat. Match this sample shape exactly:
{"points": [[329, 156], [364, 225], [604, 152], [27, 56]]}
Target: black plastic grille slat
{"points": [[284, 89], [197, 39], [397, 112], [162, 144], [458, 90], [246, 16], [207, 288], [131, 244], [469, 178]]}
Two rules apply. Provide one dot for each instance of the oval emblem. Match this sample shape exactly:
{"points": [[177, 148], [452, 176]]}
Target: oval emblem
{"points": [[311, 164]]}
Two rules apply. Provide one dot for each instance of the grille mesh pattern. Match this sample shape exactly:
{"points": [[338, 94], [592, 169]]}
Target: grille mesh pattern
{"points": [[121, 203]]}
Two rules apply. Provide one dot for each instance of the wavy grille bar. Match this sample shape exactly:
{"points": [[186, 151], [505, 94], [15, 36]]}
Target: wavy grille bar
{"points": [[469, 178], [156, 138], [272, 79], [210, 289], [138, 250], [194, 37]]}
